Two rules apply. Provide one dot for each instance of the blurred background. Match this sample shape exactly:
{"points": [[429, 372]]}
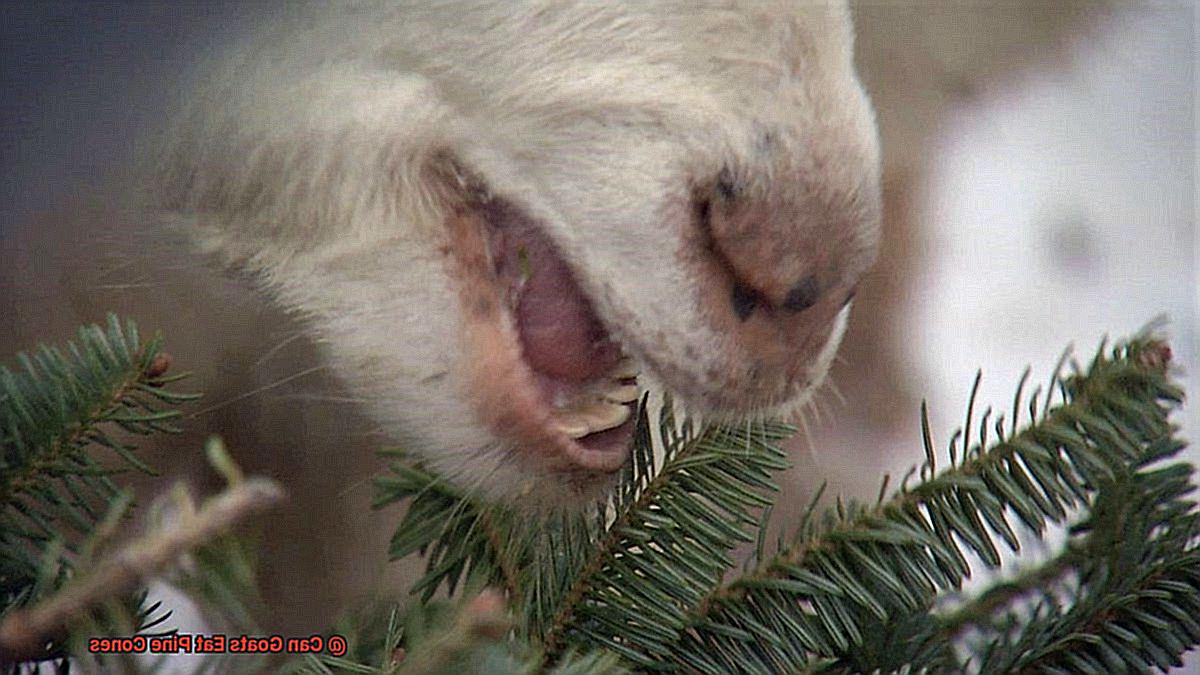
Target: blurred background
{"points": [[1040, 188]]}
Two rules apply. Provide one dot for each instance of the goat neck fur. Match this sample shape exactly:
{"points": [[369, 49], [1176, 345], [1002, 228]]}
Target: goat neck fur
{"points": [[698, 181]]}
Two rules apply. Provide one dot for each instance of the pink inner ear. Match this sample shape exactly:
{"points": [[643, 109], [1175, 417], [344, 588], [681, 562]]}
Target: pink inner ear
{"points": [[561, 336]]}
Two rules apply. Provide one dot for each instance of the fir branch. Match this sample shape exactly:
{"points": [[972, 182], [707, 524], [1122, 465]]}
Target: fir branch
{"points": [[483, 618], [23, 633], [1002, 596], [857, 589], [455, 534], [637, 564], [668, 543], [1135, 588], [848, 587], [53, 412], [467, 637]]}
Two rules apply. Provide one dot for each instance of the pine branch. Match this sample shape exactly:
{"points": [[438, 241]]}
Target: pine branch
{"points": [[52, 413], [669, 541], [58, 504], [456, 534], [856, 589], [23, 633], [860, 586]]}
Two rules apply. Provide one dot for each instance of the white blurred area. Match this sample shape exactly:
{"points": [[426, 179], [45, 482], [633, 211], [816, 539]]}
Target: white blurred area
{"points": [[1060, 207]]}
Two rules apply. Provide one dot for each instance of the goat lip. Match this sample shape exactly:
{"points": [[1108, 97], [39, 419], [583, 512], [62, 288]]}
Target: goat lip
{"points": [[568, 351], [560, 332], [536, 349]]}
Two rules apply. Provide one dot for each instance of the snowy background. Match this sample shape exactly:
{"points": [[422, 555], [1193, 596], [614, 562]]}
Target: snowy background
{"points": [[1061, 208]]}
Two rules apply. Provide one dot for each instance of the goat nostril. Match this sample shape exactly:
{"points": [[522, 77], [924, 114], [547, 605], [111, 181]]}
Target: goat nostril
{"points": [[803, 295], [744, 301], [725, 187]]}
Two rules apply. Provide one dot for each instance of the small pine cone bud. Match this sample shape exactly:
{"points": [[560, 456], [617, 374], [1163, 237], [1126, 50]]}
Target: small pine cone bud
{"points": [[158, 366], [1155, 356]]}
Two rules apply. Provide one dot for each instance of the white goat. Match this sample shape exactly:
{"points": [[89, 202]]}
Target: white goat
{"points": [[495, 214]]}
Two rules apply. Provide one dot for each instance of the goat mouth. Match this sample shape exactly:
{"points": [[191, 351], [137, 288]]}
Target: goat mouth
{"points": [[554, 379]]}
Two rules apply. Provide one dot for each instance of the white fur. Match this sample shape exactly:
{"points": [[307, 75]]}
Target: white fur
{"points": [[301, 160]]}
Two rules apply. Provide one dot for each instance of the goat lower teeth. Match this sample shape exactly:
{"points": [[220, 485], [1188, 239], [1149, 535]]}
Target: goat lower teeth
{"points": [[603, 416], [626, 393], [571, 424], [625, 370], [590, 418]]}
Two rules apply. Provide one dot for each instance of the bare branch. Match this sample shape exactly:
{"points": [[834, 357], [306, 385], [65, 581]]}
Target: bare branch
{"points": [[24, 633]]}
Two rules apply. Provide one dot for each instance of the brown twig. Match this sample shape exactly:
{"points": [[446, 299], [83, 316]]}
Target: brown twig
{"points": [[23, 635]]}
